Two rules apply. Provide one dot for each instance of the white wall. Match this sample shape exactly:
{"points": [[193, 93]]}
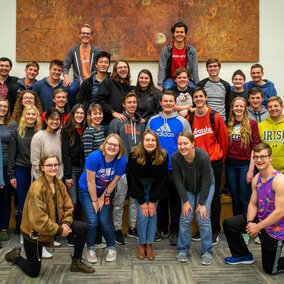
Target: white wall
{"points": [[271, 46]]}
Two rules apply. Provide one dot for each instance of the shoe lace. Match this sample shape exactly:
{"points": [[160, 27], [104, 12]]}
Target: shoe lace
{"points": [[111, 251], [92, 253]]}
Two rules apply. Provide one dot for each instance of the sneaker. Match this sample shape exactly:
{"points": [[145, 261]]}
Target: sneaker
{"points": [[240, 260], [100, 246], [206, 258], [215, 239], [56, 244], [91, 256], [196, 237], [103, 240], [111, 255], [173, 239], [158, 236], [132, 233], [70, 243], [246, 238], [46, 254], [119, 239], [257, 241], [182, 257], [21, 239]]}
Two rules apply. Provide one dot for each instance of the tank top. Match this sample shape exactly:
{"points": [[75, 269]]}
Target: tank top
{"points": [[266, 205]]}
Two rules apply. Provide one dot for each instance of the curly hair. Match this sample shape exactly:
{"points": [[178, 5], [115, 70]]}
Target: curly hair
{"points": [[18, 109], [116, 77], [22, 124], [245, 130]]}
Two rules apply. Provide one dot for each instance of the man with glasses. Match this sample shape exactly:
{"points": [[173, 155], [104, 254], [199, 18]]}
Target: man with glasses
{"points": [[83, 58], [218, 91], [264, 218]]}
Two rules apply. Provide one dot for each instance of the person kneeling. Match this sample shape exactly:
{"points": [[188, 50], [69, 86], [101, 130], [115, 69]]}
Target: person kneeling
{"points": [[48, 212]]}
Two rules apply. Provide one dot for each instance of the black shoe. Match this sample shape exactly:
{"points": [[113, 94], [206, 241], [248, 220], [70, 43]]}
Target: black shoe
{"points": [[196, 237], [215, 238], [119, 239], [132, 233], [173, 239], [13, 254], [158, 236]]}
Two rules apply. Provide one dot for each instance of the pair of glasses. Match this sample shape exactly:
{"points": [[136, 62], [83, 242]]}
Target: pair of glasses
{"points": [[112, 145], [50, 166], [262, 157]]}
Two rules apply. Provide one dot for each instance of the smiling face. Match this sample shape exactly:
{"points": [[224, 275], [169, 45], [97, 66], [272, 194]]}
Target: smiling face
{"points": [[179, 34], [238, 82], [182, 81], [122, 70], [130, 105], [262, 160], [31, 72], [275, 110], [256, 75], [213, 69], [53, 122], [50, 167], [55, 72], [112, 147], [28, 99], [30, 117], [149, 143], [60, 99], [255, 101], [4, 107], [238, 109], [79, 115], [168, 103], [96, 117], [199, 99], [103, 64], [5, 68], [185, 146], [85, 35], [144, 81]]}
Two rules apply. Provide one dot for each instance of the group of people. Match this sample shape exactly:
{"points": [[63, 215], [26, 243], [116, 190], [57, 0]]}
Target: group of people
{"points": [[83, 146]]}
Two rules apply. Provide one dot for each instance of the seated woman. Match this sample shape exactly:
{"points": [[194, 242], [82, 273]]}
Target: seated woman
{"points": [[195, 183], [48, 212], [147, 179], [103, 169]]}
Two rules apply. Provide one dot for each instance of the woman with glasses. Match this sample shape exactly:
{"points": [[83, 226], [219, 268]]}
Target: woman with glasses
{"points": [[48, 212], [103, 169]]}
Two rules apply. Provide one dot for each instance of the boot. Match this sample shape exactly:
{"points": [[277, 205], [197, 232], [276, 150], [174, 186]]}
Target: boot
{"points": [[141, 251], [11, 255], [78, 266], [149, 252]]}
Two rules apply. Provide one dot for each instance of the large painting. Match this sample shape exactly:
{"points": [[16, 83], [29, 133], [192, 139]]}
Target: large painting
{"points": [[137, 30]]}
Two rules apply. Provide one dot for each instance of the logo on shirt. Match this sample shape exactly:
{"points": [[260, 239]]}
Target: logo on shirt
{"points": [[165, 131], [236, 133], [202, 131], [277, 137]]}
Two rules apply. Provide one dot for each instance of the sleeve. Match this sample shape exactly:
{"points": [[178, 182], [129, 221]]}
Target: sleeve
{"points": [[254, 133], [36, 151], [227, 99], [178, 178], [12, 154], [162, 67], [1, 166], [87, 142], [121, 167], [103, 95], [93, 161], [83, 96], [113, 126], [222, 134], [205, 178], [194, 69], [66, 154], [202, 83], [148, 126], [186, 126], [36, 88], [68, 61]]}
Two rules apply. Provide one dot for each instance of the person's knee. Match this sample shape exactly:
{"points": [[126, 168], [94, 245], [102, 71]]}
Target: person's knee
{"points": [[35, 272], [92, 222]]}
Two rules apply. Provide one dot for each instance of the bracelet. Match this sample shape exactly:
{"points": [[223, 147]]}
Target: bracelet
{"points": [[94, 201]]}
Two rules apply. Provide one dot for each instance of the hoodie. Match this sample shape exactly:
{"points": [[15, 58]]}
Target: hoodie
{"points": [[168, 129], [130, 131], [272, 133], [268, 89], [258, 115]]}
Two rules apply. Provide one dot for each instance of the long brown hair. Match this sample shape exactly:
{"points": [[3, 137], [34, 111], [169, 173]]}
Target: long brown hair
{"points": [[139, 153], [151, 87], [7, 119], [115, 76]]}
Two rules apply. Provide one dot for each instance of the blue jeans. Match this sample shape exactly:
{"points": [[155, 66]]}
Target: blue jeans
{"points": [[184, 236], [169, 83], [146, 226], [240, 190], [72, 93], [94, 219]]}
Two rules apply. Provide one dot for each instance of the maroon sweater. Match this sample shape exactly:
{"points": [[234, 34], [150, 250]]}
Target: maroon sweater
{"points": [[235, 151]]}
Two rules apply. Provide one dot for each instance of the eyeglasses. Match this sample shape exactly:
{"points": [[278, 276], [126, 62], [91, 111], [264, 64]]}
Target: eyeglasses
{"points": [[212, 66], [79, 112], [28, 98], [262, 157], [112, 145], [50, 166], [86, 34], [4, 106]]}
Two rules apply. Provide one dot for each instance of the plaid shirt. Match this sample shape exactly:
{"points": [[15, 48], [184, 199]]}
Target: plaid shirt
{"points": [[3, 91]]}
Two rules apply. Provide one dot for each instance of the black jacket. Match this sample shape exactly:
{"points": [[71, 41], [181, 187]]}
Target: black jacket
{"points": [[10, 81]]}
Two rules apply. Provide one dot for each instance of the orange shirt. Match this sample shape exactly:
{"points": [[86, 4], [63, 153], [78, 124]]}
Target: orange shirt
{"points": [[85, 61]]}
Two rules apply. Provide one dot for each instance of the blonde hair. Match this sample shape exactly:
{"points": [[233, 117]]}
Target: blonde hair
{"points": [[121, 149], [139, 153], [22, 123], [245, 130]]}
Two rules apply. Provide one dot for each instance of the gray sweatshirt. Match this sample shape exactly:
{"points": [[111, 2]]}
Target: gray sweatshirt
{"points": [[258, 115]]}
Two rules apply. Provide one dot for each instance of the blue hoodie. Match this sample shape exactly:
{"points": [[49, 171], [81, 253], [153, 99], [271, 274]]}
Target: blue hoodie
{"points": [[168, 129], [268, 89]]}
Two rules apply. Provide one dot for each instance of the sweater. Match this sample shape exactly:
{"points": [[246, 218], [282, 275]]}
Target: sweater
{"points": [[135, 172], [19, 150], [44, 143], [195, 177], [2, 183], [258, 115]]}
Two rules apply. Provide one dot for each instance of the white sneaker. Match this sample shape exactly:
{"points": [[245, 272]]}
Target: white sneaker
{"points": [[57, 244], [21, 239], [91, 256], [111, 255], [46, 254]]}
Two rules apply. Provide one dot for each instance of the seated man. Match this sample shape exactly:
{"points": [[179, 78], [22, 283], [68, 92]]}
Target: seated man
{"points": [[265, 216]]}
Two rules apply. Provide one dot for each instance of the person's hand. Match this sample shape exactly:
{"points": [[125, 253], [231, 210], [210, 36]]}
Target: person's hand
{"points": [[152, 208], [66, 82], [13, 182], [185, 208], [249, 176], [202, 210], [66, 230], [145, 209], [96, 206], [160, 88], [252, 229], [101, 202], [69, 183], [120, 116], [142, 120], [183, 113]]}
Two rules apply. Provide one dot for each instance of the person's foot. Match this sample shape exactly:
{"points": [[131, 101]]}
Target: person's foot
{"points": [[240, 260], [160, 235], [132, 233], [4, 236], [70, 240], [173, 239], [11, 255], [215, 239], [100, 246], [149, 252], [111, 255], [141, 251], [196, 237], [91, 256], [119, 239], [78, 266], [182, 257], [46, 254], [56, 244], [206, 258]]}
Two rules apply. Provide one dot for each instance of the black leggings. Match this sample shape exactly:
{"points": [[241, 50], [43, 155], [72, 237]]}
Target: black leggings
{"points": [[31, 266]]}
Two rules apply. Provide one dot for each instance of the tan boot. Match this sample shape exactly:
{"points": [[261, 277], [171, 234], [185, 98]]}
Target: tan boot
{"points": [[149, 252], [78, 266], [141, 251]]}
